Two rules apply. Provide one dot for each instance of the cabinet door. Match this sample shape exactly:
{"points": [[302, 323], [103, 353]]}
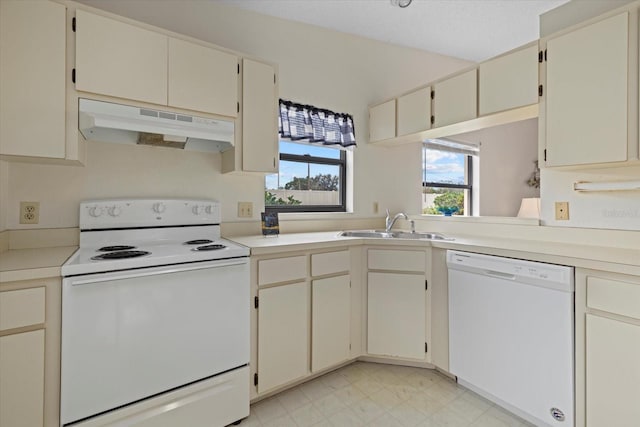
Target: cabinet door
{"points": [[455, 99], [509, 81], [414, 111], [283, 334], [586, 94], [32, 78], [118, 59], [202, 79], [396, 315], [22, 379], [259, 117], [613, 373], [330, 323], [382, 121]]}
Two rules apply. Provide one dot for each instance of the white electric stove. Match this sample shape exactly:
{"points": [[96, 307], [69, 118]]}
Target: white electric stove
{"points": [[155, 317]]}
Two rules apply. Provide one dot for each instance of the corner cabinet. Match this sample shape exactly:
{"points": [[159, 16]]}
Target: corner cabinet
{"points": [[607, 349], [396, 303], [587, 94], [33, 82]]}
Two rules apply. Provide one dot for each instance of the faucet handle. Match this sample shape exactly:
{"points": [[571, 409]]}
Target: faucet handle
{"points": [[387, 219]]}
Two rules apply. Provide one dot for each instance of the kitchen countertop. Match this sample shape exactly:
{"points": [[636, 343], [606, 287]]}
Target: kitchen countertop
{"points": [[28, 264], [613, 259]]}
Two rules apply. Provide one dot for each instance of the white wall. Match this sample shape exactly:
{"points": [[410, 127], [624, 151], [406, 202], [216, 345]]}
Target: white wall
{"points": [[320, 67], [507, 154]]}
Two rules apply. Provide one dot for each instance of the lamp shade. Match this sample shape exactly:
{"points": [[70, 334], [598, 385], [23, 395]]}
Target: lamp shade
{"points": [[530, 208]]}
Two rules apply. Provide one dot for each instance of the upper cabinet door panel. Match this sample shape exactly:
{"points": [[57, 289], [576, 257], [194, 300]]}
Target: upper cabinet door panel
{"points": [[382, 121], [414, 111], [121, 60], [32, 78], [202, 78], [259, 117], [509, 81], [456, 99], [586, 94]]}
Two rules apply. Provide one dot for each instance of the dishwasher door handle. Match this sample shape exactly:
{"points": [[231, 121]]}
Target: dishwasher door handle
{"points": [[500, 275]]}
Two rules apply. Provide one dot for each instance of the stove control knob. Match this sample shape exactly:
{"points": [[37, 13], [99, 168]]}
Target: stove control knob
{"points": [[208, 209], [95, 211], [159, 207], [197, 210], [115, 211]]}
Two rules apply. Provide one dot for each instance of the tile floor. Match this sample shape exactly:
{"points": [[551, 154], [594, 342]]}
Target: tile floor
{"points": [[371, 394]]}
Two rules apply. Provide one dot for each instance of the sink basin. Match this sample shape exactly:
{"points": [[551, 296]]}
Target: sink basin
{"points": [[382, 234]]}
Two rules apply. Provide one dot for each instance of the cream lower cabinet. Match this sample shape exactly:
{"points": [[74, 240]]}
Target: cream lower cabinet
{"points": [[607, 349], [32, 80], [30, 353], [330, 323], [396, 303], [283, 334]]}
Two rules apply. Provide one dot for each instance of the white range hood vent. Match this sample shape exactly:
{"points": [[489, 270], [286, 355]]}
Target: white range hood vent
{"points": [[124, 124]]}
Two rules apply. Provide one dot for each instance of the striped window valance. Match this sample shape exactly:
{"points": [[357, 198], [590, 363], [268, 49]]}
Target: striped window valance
{"points": [[299, 122]]}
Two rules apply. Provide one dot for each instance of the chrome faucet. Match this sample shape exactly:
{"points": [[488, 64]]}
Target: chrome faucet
{"points": [[389, 222]]}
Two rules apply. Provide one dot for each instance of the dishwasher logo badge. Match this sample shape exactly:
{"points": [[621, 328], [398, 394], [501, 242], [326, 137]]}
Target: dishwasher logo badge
{"points": [[557, 414]]}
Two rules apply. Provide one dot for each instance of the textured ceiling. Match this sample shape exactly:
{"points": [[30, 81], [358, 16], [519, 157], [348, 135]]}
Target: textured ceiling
{"points": [[474, 30]]}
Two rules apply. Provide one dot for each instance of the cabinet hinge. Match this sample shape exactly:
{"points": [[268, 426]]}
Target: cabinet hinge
{"points": [[73, 24], [540, 90], [255, 379], [540, 56], [73, 75], [426, 285], [426, 348], [433, 119], [256, 302], [238, 106], [545, 154], [545, 55], [238, 68], [433, 94]]}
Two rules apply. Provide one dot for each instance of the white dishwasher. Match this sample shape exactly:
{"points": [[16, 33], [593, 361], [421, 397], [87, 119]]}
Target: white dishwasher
{"points": [[511, 334]]}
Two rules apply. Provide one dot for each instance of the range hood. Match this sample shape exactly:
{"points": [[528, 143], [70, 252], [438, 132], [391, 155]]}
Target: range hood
{"points": [[125, 124]]}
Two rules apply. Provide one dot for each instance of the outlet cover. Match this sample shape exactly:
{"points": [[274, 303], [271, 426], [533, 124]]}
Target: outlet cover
{"points": [[29, 212], [562, 211], [245, 210]]}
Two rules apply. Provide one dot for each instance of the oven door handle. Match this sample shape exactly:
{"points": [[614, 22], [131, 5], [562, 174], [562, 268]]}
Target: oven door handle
{"points": [[158, 270]]}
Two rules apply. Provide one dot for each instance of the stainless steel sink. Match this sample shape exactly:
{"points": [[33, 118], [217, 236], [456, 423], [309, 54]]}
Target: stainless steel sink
{"points": [[382, 234]]}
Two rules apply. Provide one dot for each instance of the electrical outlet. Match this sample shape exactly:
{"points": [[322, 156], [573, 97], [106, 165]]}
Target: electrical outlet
{"points": [[375, 207], [562, 211], [245, 210], [29, 212]]}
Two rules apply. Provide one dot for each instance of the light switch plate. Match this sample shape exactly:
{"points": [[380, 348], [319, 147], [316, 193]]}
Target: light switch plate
{"points": [[245, 209]]}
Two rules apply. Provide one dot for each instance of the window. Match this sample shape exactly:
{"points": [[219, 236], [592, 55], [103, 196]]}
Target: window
{"points": [[313, 161], [447, 177], [310, 179]]}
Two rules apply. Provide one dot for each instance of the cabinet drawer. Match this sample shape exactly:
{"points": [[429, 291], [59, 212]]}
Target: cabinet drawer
{"points": [[282, 270], [379, 259], [330, 262], [614, 296], [22, 307]]}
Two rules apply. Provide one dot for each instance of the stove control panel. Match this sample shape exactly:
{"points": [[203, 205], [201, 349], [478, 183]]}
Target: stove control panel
{"points": [[132, 213]]}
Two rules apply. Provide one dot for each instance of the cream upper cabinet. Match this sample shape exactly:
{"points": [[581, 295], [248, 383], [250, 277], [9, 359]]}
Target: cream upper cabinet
{"points": [[283, 341], [32, 79], [382, 121], [330, 322], [508, 81], [202, 78], [586, 94], [119, 59], [456, 99], [259, 117], [414, 111]]}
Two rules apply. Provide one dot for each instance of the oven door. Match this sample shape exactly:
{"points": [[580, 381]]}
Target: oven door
{"points": [[133, 334]]}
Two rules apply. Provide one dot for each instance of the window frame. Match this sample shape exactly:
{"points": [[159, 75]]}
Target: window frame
{"points": [[468, 186], [307, 158]]}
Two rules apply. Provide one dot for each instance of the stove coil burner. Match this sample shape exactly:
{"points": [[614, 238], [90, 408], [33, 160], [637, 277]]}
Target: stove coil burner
{"points": [[209, 247], [116, 248], [120, 255], [198, 242]]}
